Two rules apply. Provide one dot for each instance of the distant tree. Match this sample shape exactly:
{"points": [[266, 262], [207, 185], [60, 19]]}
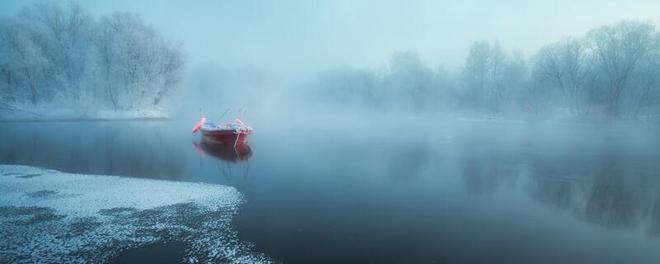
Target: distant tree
{"points": [[618, 50], [349, 86], [612, 70], [516, 79], [476, 73], [489, 76], [497, 65], [445, 87], [643, 97], [409, 81], [566, 66]]}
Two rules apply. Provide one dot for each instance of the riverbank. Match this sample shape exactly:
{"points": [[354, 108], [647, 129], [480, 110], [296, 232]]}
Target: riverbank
{"points": [[58, 114]]}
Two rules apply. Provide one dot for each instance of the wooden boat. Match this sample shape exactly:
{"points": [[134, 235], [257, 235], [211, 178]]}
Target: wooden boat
{"points": [[235, 132]]}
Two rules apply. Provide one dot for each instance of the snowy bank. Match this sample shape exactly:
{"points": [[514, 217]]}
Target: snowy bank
{"points": [[46, 114], [53, 217]]}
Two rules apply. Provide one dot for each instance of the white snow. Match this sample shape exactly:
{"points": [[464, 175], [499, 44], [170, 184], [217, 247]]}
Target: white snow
{"points": [[134, 114], [58, 113], [228, 126], [49, 216]]}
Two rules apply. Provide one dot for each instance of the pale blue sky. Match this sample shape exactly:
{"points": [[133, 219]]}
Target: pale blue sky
{"points": [[299, 36]]}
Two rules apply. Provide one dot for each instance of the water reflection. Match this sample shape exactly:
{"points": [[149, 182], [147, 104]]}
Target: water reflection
{"points": [[231, 160], [226, 152], [409, 162], [609, 201], [138, 149], [609, 191], [487, 166], [609, 184]]}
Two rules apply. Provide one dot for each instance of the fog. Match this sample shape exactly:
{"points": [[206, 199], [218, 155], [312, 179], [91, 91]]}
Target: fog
{"points": [[480, 57], [305, 36]]}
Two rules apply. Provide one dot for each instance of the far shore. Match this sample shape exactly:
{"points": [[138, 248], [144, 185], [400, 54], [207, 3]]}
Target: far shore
{"points": [[82, 119], [68, 115]]}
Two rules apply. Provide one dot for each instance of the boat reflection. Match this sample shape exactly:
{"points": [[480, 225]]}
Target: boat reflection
{"points": [[232, 161], [227, 152]]}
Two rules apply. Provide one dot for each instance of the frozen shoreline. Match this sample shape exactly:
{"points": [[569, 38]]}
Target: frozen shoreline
{"points": [[44, 115], [49, 216]]}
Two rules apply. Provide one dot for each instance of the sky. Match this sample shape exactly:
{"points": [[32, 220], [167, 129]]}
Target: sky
{"points": [[305, 36]]}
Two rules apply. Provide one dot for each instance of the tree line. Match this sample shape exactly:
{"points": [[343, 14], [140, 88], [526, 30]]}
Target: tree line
{"points": [[613, 70], [58, 55]]}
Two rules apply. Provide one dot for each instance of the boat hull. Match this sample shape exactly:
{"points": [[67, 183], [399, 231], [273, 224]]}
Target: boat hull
{"points": [[225, 137]]}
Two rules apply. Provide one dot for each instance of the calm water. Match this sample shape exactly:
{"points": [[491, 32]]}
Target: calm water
{"points": [[397, 191]]}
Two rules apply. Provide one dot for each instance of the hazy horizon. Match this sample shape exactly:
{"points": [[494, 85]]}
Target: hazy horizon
{"points": [[299, 38]]}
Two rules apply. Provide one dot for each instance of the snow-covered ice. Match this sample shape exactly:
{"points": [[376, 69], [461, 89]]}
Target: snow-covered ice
{"points": [[54, 217]]}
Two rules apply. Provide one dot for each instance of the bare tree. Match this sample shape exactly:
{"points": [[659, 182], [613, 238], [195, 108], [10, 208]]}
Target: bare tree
{"points": [[410, 81], [488, 76], [497, 65], [55, 54], [618, 50], [566, 65], [137, 63], [475, 73], [24, 64], [644, 93]]}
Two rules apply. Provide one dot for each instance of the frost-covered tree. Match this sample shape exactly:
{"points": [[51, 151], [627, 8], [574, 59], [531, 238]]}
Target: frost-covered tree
{"points": [[59, 55], [137, 68], [409, 82], [22, 64], [566, 66], [643, 96], [476, 74], [490, 77], [612, 68], [63, 37], [516, 82], [405, 83], [497, 67], [445, 87], [618, 51]]}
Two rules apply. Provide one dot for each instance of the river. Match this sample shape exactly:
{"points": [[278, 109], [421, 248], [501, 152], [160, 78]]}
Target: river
{"points": [[407, 190]]}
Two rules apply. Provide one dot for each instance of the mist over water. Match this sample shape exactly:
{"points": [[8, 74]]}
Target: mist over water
{"points": [[403, 190]]}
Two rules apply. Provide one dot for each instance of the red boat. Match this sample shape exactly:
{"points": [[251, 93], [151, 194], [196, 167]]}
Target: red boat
{"points": [[234, 133]]}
